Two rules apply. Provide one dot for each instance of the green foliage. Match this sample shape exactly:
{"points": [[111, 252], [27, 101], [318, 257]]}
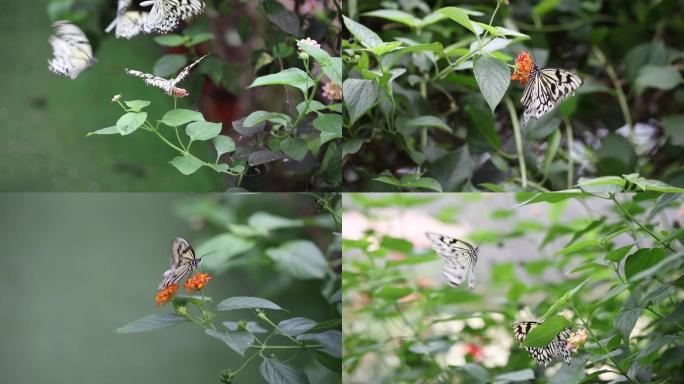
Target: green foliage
{"points": [[607, 264], [453, 61]]}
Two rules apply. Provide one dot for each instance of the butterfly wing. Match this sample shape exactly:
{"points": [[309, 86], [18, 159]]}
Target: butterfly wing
{"points": [[459, 259], [166, 14], [545, 90], [152, 80], [183, 261], [543, 355], [185, 72], [71, 50]]}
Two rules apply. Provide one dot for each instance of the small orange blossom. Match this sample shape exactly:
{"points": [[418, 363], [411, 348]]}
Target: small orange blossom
{"points": [[523, 67], [197, 282], [166, 294]]}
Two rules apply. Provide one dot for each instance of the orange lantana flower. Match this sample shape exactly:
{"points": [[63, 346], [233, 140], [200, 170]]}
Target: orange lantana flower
{"points": [[523, 67], [197, 282], [166, 294]]}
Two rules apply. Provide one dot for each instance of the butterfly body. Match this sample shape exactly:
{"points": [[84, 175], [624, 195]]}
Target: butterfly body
{"points": [[168, 85], [71, 50], [459, 258], [546, 88], [127, 23], [544, 355], [183, 262], [165, 15]]}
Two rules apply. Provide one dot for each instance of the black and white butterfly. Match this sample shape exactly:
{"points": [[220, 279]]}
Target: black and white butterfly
{"points": [[166, 14], [183, 262], [459, 258], [545, 89], [168, 85], [71, 51], [544, 355], [127, 23]]}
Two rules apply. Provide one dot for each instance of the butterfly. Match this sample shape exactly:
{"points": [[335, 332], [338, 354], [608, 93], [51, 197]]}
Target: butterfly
{"points": [[546, 88], [183, 262], [544, 355], [71, 50], [127, 23], [169, 86], [459, 258], [166, 14]]}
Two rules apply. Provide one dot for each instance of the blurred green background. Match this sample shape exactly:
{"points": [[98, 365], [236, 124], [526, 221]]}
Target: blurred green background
{"points": [[77, 266], [45, 118]]}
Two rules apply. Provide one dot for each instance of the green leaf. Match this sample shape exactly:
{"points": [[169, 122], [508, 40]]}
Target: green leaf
{"points": [[396, 16], [545, 6], [170, 40], [293, 77], [625, 321], [392, 293], [296, 325], [276, 372], [659, 77], [178, 117], [427, 121], [605, 184], [493, 78], [300, 259], [334, 70], [200, 38], [351, 146], [359, 96], [268, 221], [169, 65], [564, 299], [319, 55], [385, 48], [330, 126], [224, 144], [476, 371], [105, 131], [544, 333], [257, 117], [619, 253], [458, 15], [203, 130], [294, 147], [238, 341], [186, 164], [130, 122], [136, 105], [331, 341], [422, 183], [521, 375], [641, 260], [152, 322], [364, 35], [672, 125], [246, 302], [396, 244]]}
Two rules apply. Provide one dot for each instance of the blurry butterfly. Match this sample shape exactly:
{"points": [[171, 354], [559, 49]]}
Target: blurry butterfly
{"points": [[546, 88], [71, 50], [183, 262], [166, 14], [169, 86], [544, 355], [459, 259], [127, 23]]}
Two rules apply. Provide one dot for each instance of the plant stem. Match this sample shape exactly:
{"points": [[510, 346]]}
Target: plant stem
{"points": [[262, 347], [518, 140], [571, 141], [635, 221], [263, 316], [622, 99]]}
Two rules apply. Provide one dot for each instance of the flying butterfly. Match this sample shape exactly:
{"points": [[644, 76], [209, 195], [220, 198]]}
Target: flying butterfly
{"points": [[183, 262], [459, 258], [71, 50], [544, 355], [168, 85], [127, 23], [166, 14], [547, 87]]}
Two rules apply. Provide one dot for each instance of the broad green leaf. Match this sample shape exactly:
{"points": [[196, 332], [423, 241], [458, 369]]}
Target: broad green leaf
{"points": [[224, 144], [169, 64], [364, 35], [178, 117], [422, 183], [564, 299], [641, 260], [186, 164], [218, 250], [269, 221], [544, 333], [300, 259], [553, 197], [545, 6], [392, 293], [396, 16], [331, 341], [294, 147], [427, 121], [257, 117], [200, 38], [136, 105], [477, 372], [238, 341], [385, 48], [319, 55], [246, 302], [296, 325], [396, 244], [659, 77], [263, 157], [105, 131], [458, 15], [130, 122], [619, 253], [203, 130], [625, 321], [276, 372], [359, 96], [334, 70], [351, 146], [293, 77], [152, 322], [170, 40], [330, 126], [521, 375], [605, 184]]}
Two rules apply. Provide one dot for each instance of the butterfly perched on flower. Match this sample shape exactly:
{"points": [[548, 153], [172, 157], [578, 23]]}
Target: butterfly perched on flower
{"points": [[166, 14], [544, 355], [168, 85], [127, 23], [71, 50], [545, 86], [183, 262], [459, 259]]}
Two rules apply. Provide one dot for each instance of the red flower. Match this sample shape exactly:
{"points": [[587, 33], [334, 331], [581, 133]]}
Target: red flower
{"points": [[166, 294], [474, 350], [523, 67], [197, 282]]}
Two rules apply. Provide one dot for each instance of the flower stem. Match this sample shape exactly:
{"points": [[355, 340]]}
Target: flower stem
{"points": [[263, 316], [518, 140], [635, 221], [571, 163]]}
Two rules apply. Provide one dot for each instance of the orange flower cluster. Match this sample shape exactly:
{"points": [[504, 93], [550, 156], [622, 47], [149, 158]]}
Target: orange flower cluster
{"points": [[166, 294], [523, 67], [197, 282]]}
